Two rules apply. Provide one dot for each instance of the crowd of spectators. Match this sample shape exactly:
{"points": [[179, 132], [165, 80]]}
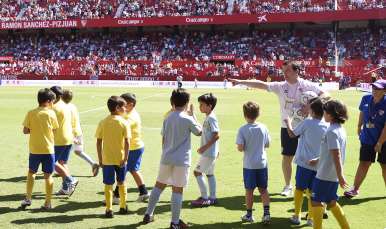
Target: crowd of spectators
{"points": [[265, 46], [358, 43], [95, 9]]}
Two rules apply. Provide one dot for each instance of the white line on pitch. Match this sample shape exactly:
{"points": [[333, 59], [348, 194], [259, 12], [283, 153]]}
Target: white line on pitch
{"points": [[235, 132], [353, 108], [106, 106]]}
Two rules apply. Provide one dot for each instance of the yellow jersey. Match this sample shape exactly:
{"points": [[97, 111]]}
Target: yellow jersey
{"points": [[113, 130], [41, 121], [268, 79], [135, 126], [168, 113], [63, 135], [76, 128]]}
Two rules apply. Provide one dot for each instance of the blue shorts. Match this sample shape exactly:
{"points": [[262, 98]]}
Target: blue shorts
{"points": [[134, 159], [255, 178], [47, 160], [62, 153], [324, 191], [109, 172], [304, 178]]}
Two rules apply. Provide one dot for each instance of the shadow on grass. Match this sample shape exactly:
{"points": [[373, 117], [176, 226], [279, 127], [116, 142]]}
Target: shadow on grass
{"points": [[21, 197], [67, 206], [356, 200], [125, 226], [234, 203], [62, 219], [5, 210], [276, 223], [21, 179]]}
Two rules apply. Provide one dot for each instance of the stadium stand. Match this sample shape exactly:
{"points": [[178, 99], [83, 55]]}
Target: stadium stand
{"points": [[93, 9]]}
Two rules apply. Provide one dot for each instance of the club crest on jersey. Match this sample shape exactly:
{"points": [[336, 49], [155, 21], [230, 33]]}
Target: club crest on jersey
{"points": [[204, 125], [381, 112]]}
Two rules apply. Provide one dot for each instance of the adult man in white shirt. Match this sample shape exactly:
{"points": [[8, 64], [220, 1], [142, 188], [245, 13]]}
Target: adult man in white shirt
{"points": [[288, 93]]}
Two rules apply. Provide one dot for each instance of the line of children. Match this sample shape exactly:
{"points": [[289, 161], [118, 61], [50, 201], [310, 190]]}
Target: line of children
{"points": [[120, 136]]}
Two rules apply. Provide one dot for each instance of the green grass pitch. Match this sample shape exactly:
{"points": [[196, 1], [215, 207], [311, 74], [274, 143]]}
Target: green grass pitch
{"points": [[85, 208]]}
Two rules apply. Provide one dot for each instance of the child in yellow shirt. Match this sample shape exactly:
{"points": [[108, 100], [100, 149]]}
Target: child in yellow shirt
{"points": [[41, 123], [115, 133]]}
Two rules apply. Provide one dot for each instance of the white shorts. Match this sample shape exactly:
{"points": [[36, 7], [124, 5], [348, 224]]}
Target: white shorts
{"points": [[177, 176], [205, 165], [77, 147]]}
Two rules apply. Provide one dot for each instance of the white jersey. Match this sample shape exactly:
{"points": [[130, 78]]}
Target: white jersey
{"points": [[294, 91], [179, 78]]}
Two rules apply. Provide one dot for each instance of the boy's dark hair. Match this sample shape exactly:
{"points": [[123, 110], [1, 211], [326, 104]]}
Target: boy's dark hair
{"points": [[129, 98], [58, 91], [251, 109], [171, 102], [337, 109], [115, 101], [316, 104], [180, 97], [67, 95], [208, 99], [44, 95], [295, 65]]}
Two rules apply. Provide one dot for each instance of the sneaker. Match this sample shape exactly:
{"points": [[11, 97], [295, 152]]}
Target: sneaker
{"points": [[353, 192], [287, 191], [142, 198], [213, 201], [174, 226], [296, 220], [182, 224], [26, 202], [147, 218], [47, 206], [310, 223], [61, 192], [201, 201], [248, 219], [116, 200], [123, 211], [266, 219], [109, 214], [71, 186], [95, 169]]}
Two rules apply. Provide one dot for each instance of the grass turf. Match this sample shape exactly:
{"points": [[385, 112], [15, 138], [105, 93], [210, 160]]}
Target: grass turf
{"points": [[85, 209]]}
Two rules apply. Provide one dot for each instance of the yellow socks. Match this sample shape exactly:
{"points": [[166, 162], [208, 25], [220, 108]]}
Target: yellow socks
{"points": [[318, 217], [109, 197], [298, 199], [49, 189], [30, 184], [337, 211], [122, 195], [310, 212]]}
